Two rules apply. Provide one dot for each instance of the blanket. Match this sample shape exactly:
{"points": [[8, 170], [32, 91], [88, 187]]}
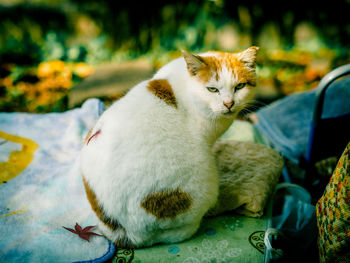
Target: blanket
{"points": [[286, 123], [40, 188], [45, 216]]}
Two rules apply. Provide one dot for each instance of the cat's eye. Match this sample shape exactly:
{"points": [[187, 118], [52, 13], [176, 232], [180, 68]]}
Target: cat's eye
{"points": [[212, 89], [240, 86]]}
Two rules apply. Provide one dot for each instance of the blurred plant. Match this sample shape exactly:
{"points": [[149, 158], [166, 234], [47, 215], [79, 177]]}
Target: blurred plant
{"points": [[96, 50], [46, 46], [297, 70], [53, 47], [39, 89]]}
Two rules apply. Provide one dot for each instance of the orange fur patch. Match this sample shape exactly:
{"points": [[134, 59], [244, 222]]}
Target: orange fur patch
{"points": [[167, 204], [162, 89], [112, 224], [232, 63], [235, 62]]}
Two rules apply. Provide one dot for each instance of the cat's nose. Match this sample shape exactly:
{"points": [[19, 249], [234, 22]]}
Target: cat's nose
{"points": [[229, 104]]}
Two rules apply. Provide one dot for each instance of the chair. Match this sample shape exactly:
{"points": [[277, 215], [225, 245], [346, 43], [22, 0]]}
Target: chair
{"points": [[291, 219], [328, 136]]}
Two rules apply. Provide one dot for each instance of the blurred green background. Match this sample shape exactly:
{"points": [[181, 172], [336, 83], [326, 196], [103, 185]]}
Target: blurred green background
{"points": [[47, 47]]}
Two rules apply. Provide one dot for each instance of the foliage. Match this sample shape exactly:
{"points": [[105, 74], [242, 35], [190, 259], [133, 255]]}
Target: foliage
{"points": [[39, 89], [298, 45], [297, 70]]}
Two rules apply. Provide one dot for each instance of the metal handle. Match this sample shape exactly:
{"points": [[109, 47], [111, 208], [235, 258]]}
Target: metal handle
{"points": [[324, 84]]}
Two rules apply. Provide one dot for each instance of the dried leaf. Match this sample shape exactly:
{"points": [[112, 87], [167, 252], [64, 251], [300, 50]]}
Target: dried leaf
{"points": [[83, 233], [78, 228], [71, 230]]}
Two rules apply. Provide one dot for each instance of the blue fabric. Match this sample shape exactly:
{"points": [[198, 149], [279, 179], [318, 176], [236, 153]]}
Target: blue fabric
{"points": [[294, 221], [48, 194], [286, 123]]}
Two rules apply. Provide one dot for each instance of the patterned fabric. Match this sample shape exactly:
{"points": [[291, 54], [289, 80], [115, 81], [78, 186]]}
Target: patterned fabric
{"points": [[333, 214], [221, 239]]}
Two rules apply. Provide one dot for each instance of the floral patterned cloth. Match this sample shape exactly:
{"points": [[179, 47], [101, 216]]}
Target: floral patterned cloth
{"points": [[221, 239], [333, 214]]}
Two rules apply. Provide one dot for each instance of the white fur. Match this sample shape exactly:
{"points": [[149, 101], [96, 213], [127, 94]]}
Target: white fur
{"points": [[146, 146]]}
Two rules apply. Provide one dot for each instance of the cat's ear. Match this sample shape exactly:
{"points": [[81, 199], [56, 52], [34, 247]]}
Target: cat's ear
{"points": [[248, 57], [194, 62]]}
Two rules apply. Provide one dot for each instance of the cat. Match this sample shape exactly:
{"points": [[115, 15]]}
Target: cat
{"points": [[148, 169]]}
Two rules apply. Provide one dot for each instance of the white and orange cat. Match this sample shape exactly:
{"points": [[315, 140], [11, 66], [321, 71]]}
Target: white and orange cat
{"points": [[148, 169]]}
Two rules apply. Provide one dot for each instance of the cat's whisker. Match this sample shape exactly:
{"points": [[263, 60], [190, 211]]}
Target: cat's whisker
{"points": [[253, 105], [256, 103]]}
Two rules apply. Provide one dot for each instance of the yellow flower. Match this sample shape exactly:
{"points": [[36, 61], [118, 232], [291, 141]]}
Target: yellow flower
{"points": [[67, 73], [82, 70], [7, 82], [47, 69], [44, 98]]}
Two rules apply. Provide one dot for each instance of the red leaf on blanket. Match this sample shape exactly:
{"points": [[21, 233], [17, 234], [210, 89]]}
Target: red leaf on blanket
{"points": [[83, 233], [88, 228], [78, 228], [71, 230]]}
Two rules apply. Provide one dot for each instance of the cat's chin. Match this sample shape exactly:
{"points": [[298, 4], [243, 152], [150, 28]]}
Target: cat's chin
{"points": [[229, 114], [224, 115]]}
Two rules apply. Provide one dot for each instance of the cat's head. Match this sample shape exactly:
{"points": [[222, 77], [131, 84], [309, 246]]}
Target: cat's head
{"points": [[222, 83]]}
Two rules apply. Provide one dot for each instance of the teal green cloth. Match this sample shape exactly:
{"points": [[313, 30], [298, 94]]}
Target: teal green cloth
{"points": [[245, 132], [240, 131], [226, 238]]}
